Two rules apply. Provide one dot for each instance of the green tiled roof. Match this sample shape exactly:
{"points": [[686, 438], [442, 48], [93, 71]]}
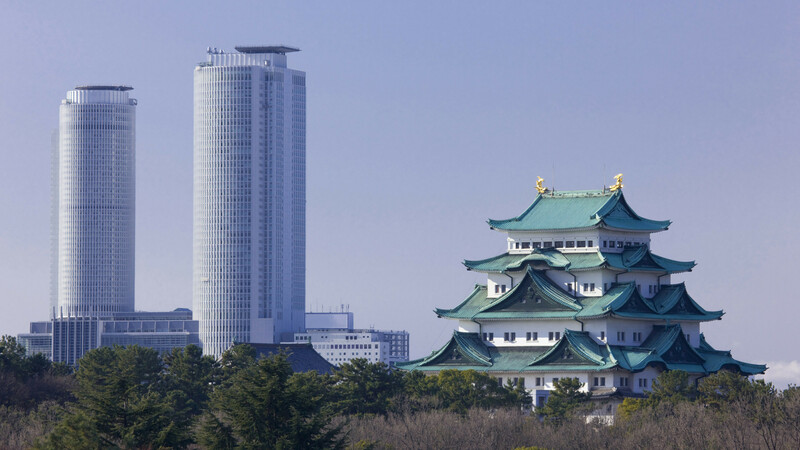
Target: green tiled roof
{"points": [[666, 347], [633, 258], [579, 209], [536, 296], [672, 302]]}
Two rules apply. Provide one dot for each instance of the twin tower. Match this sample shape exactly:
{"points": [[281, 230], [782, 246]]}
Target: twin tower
{"points": [[249, 212]]}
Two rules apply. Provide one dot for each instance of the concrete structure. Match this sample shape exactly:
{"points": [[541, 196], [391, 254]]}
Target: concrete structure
{"points": [[249, 197], [92, 235], [332, 335], [66, 339], [578, 293], [96, 201]]}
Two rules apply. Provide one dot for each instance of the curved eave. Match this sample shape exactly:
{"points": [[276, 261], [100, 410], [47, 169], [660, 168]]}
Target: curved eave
{"points": [[606, 226], [542, 230], [676, 317]]}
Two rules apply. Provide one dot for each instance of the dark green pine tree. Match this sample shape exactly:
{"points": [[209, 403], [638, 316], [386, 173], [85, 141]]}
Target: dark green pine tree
{"points": [[266, 406], [564, 400], [120, 403]]}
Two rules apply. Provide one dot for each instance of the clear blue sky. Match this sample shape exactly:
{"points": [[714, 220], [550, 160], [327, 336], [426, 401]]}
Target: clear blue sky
{"points": [[426, 118]]}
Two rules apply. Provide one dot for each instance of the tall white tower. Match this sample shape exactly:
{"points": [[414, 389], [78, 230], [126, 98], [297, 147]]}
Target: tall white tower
{"points": [[249, 197], [96, 202]]}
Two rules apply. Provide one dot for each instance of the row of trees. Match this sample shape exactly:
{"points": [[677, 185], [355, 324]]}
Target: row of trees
{"points": [[133, 398], [130, 397]]}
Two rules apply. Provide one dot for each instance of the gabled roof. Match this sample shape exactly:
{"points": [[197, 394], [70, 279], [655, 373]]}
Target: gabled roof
{"points": [[666, 347], [633, 258], [534, 296], [623, 300], [579, 209], [673, 300]]}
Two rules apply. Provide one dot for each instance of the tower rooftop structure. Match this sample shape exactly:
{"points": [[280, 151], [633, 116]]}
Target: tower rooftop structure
{"points": [[280, 49], [579, 293], [103, 87]]}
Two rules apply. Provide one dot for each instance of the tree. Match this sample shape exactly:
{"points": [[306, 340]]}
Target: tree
{"points": [[672, 386], [361, 387], [119, 402], [187, 381], [460, 390], [266, 406], [564, 400]]}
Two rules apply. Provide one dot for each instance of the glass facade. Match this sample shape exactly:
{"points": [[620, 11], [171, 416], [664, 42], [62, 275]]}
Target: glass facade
{"points": [[96, 202], [249, 199]]}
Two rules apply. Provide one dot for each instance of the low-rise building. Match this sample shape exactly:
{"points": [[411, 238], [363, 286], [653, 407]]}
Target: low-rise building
{"points": [[333, 336]]}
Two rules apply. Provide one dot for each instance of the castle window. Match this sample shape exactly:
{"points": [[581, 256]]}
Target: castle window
{"points": [[528, 336], [555, 380], [538, 381], [496, 288], [558, 335], [602, 335], [526, 245], [505, 336], [585, 287], [535, 336], [605, 286], [591, 287], [537, 245], [628, 244], [605, 244], [569, 287], [516, 245], [570, 244], [485, 337], [550, 336], [547, 244], [513, 336], [620, 244], [623, 381], [621, 336], [559, 244], [491, 336], [590, 244], [500, 381], [503, 288], [581, 244]]}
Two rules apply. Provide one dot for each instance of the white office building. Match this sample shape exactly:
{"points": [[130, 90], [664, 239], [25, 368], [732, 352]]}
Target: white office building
{"points": [[249, 197], [92, 235], [96, 201], [333, 336]]}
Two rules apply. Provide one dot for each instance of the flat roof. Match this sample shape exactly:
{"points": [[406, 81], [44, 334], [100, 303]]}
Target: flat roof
{"points": [[103, 87], [281, 49]]}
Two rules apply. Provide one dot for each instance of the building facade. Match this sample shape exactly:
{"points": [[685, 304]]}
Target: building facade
{"points": [[579, 293], [96, 201], [67, 339], [93, 236], [333, 336], [249, 197]]}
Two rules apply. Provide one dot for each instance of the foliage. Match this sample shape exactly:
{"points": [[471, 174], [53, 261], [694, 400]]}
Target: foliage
{"points": [[672, 386], [119, 403], [564, 400], [361, 387], [267, 405], [26, 381]]}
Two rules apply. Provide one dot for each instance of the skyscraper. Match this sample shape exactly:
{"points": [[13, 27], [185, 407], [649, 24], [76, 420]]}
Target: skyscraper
{"points": [[92, 232], [96, 202], [249, 197]]}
